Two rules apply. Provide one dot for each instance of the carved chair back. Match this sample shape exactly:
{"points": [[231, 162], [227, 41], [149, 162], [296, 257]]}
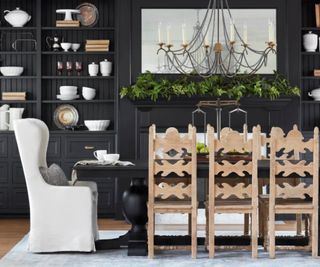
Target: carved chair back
{"points": [[241, 166], [282, 166], [172, 172]]}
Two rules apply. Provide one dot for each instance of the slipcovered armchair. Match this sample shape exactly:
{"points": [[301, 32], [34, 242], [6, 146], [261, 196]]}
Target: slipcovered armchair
{"points": [[62, 218]]}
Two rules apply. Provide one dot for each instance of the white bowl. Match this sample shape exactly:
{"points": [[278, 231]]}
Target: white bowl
{"points": [[111, 158], [88, 89], [97, 125], [75, 47], [89, 96], [11, 71], [66, 46], [68, 90]]}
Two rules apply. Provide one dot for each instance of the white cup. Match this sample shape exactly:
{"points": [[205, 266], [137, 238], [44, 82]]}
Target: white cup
{"points": [[99, 154]]}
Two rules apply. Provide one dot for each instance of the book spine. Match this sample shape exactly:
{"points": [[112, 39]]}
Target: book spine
{"points": [[97, 42], [317, 10]]}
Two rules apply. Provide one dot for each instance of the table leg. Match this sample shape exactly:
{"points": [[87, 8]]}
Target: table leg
{"points": [[135, 211]]}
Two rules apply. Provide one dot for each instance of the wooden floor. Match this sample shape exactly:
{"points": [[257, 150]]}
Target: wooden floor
{"points": [[12, 230]]}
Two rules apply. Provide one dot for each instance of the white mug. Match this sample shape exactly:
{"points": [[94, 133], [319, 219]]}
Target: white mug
{"points": [[99, 154]]}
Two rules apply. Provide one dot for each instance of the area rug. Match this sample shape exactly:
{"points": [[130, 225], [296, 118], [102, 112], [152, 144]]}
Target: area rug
{"points": [[19, 256]]}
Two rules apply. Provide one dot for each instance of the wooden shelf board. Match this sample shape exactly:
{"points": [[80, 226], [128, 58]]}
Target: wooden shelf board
{"points": [[317, 53], [78, 53], [310, 29], [80, 101], [80, 28], [83, 132], [18, 52], [78, 77], [18, 77], [17, 28], [18, 101], [310, 77]]}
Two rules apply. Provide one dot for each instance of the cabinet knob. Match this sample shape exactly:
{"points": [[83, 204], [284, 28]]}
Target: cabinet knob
{"points": [[89, 147]]}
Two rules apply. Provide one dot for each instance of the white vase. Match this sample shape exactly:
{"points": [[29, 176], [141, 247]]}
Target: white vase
{"points": [[310, 42], [93, 69], [105, 67]]}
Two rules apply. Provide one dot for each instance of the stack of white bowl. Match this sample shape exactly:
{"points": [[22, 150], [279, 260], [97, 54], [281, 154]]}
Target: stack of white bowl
{"points": [[68, 92], [88, 93]]}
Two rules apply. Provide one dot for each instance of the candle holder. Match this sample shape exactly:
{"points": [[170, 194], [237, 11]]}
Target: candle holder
{"points": [[185, 46], [169, 46], [271, 44], [161, 44]]}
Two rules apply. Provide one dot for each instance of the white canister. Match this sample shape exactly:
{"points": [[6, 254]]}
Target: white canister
{"points": [[93, 69], [105, 67], [310, 42]]}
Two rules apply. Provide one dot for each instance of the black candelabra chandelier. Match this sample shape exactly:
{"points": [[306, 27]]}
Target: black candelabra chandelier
{"points": [[228, 57]]}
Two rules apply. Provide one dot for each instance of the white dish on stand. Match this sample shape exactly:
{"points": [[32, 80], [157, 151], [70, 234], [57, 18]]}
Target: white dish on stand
{"points": [[68, 13]]}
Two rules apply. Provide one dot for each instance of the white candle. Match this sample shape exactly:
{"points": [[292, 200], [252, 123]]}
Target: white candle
{"points": [[232, 35], [206, 41], [159, 32], [271, 31], [168, 35], [183, 28], [245, 33]]}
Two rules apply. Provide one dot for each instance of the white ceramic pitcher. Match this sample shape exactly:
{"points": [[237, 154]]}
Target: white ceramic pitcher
{"points": [[4, 117], [14, 114]]}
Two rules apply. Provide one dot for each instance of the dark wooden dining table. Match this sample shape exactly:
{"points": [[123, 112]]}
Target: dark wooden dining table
{"points": [[135, 240]]}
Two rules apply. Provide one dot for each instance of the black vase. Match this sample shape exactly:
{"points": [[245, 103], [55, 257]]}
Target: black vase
{"points": [[135, 205]]}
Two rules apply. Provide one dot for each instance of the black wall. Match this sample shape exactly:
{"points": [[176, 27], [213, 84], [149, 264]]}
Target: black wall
{"points": [[134, 118]]}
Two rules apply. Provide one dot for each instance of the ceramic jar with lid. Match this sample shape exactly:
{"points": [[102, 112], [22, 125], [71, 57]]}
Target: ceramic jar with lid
{"points": [[105, 67], [17, 17], [310, 42], [93, 69]]}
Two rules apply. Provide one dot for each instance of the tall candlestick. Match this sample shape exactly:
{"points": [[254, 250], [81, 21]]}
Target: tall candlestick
{"points": [[232, 35], [159, 33], [245, 33], [168, 35], [183, 28], [271, 38]]}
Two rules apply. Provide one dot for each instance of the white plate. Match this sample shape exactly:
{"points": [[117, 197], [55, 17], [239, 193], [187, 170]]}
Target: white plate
{"points": [[67, 97]]}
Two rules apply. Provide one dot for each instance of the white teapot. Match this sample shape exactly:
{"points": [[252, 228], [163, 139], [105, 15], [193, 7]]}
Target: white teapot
{"points": [[17, 17]]}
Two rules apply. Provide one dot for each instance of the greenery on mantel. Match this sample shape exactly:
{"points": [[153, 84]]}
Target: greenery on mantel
{"points": [[149, 87]]}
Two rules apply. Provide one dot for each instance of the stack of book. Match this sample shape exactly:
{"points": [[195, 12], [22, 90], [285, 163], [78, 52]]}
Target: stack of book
{"points": [[317, 10], [67, 23], [97, 45], [14, 96], [316, 72]]}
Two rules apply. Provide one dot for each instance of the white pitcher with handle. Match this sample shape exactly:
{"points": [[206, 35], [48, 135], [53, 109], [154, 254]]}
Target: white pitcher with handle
{"points": [[14, 114], [4, 117]]}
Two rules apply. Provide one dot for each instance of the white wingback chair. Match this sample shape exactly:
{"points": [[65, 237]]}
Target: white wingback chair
{"points": [[62, 218]]}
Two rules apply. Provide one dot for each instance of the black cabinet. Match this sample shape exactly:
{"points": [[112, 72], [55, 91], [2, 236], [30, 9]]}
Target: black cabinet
{"points": [[63, 149]]}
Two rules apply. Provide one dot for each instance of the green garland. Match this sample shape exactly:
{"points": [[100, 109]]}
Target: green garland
{"points": [[148, 87]]}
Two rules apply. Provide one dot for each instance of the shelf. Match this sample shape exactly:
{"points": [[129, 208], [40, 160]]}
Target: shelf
{"points": [[82, 132], [18, 77], [17, 28], [18, 52], [310, 29], [79, 101], [78, 77], [310, 53], [310, 77], [18, 101], [77, 53], [79, 28], [310, 102]]}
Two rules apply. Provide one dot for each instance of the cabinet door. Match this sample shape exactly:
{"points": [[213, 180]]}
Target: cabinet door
{"points": [[18, 178], [3, 146], [19, 200], [82, 147], [4, 174], [4, 201]]}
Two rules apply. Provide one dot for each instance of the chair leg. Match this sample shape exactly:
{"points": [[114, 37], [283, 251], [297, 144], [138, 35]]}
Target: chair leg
{"points": [[314, 236], [246, 224], [254, 233], [265, 227], [206, 241], [194, 240], [211, 235], [150, 234], [272, 241]]}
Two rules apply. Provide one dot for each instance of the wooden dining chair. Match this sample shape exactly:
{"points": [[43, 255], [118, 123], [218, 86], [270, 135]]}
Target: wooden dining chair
{"points": [[172, 180], [241, 198], [285, 198]]}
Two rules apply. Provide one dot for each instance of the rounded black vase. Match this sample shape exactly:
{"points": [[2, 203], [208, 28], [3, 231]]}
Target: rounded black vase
{"points": [[135, 204]]}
